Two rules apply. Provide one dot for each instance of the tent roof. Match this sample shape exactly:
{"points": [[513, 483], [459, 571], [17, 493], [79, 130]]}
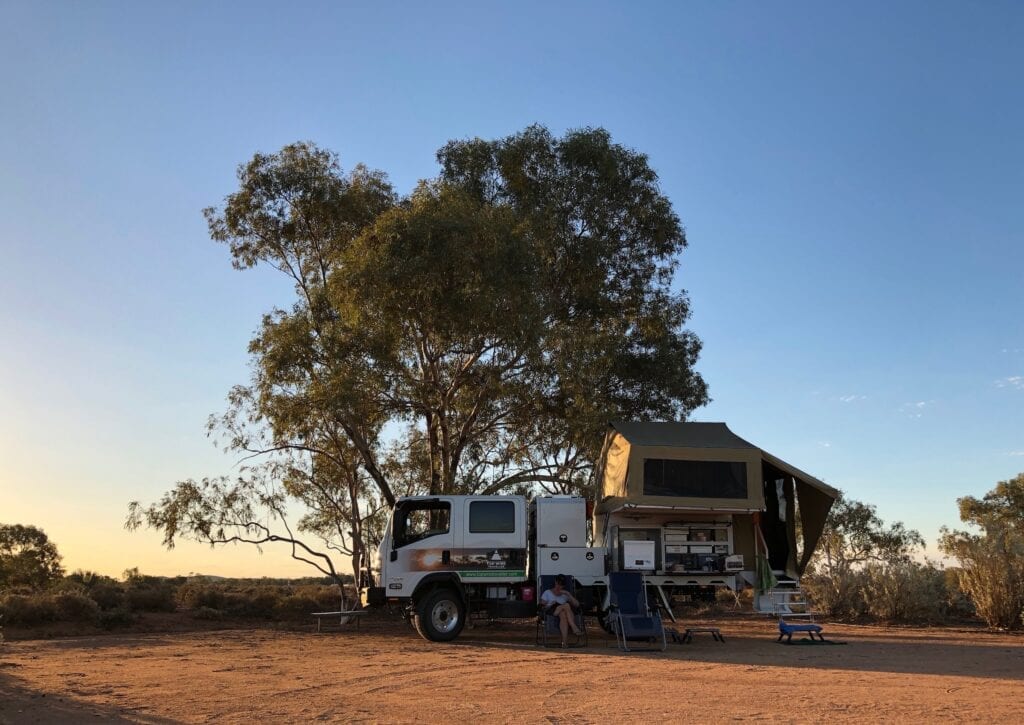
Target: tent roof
{"points": [[681, 435], [707, 435]]}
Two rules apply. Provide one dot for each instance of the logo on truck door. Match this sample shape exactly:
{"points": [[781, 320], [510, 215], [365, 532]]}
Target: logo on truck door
{"points": [[489, 562]]}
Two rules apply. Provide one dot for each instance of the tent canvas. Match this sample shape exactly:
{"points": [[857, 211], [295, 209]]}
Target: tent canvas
{"points": [[707, 467]]}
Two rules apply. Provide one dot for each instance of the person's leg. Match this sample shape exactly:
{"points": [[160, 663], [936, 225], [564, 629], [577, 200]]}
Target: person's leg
{"points": [[570, 618], [563, 624]]}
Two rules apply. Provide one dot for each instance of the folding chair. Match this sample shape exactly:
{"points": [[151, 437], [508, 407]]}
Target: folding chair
{"points": [[630, 616], [547, 625]]}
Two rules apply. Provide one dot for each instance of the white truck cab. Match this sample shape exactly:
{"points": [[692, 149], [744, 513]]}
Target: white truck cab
{"points": [[445, 554]]}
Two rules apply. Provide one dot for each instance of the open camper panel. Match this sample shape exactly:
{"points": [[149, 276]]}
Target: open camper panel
{"points": [[710, 502]]}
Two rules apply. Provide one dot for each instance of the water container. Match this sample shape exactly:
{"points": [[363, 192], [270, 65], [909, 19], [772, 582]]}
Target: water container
{"points": [[528, 594]]}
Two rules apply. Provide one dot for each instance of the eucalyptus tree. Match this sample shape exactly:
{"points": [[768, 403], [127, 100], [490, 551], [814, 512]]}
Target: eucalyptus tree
{"points": [[473, 336]]}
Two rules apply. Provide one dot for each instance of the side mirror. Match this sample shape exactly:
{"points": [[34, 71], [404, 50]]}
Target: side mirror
{"points": [[394, 555]]}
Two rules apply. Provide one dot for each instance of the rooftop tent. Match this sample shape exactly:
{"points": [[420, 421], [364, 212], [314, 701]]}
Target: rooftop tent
{"points": [[705, 466], [657, 464]]}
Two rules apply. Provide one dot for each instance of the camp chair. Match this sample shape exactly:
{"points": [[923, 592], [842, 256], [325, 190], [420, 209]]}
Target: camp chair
{"points": [[630, 616], [547, 625]]}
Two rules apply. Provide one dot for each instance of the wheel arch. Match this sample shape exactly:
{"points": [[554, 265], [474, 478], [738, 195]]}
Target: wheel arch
{"points": [[431, 582]]}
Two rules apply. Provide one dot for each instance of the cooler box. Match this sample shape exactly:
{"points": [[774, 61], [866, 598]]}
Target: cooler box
{"points": [[638, 555]]}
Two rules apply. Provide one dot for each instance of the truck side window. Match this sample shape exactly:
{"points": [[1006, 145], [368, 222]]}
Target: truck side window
{"points": [[492, 517], [420, 520]]}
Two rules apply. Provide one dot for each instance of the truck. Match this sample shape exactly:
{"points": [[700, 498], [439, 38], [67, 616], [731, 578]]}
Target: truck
{"points": [[691, 506]]}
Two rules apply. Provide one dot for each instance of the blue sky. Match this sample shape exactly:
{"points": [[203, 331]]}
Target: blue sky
{"points": [[850, 178]]}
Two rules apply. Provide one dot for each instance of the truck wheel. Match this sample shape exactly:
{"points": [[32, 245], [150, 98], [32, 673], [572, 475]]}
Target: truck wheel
{"points": [[441, 615]]}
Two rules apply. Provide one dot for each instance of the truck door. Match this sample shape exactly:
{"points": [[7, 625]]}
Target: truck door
{"points": [[493, 540], [423, 542]]}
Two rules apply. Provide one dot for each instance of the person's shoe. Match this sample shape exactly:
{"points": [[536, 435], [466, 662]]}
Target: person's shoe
{"points": [[565, 644]]}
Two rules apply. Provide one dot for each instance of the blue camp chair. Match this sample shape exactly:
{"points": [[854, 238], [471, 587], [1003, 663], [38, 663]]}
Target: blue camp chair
{"points": [[547, 625], [630, 616]]}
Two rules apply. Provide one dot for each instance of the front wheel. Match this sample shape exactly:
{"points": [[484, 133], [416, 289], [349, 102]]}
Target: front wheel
{"points": [[441, 615]]}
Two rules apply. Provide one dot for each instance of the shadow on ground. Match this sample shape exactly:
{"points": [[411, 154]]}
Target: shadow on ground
{"points": [[20, 704]]}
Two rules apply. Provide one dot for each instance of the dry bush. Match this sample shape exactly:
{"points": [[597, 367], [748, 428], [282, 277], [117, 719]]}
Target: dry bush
{"points": [[117, 617], [28, 610], [992, 573], [194, 595], [108, 595], [207, 613], [151, 598], [840, 596], [75, 606], [905, 592]]}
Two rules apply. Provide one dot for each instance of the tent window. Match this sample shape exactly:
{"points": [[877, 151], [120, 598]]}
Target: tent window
{"points": [[695, 479]]}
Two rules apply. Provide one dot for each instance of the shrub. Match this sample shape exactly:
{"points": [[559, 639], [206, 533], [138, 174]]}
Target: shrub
{"points": [[194, 595], [298, 605], [108, 595], [28, 610], [256, 602], [76, 606], [905, 592], [207, 613], [992, 573], [117, 617], [840, 596], [151, 598]]}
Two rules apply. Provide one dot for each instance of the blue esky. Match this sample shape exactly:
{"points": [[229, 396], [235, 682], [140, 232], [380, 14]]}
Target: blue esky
{"points": [[850, 178]]}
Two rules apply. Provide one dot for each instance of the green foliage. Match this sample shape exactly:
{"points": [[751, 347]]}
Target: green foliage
{"points": [[500, 315], [27, 557], [991, 556]]}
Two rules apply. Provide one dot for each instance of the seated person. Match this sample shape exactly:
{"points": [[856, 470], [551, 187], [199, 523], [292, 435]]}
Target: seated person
{"points": [[558, 602]]}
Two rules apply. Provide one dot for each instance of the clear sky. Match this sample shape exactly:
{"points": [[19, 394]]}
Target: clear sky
{"points": [[850, 178]]}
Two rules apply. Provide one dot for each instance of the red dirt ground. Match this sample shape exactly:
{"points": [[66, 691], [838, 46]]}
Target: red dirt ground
{"points": [[383, 672]]}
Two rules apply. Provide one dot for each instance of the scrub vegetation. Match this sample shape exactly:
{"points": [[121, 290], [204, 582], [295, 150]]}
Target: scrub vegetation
{"points": [[864, 568]]}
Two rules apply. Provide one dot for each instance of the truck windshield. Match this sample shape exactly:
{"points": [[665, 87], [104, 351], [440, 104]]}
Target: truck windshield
{"points": [[416, 520]]}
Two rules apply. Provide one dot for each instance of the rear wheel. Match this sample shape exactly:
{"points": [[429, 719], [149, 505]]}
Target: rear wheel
{"points": [[441, 615]]}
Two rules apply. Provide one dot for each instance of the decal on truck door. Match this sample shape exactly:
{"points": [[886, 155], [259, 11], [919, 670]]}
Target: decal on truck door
{"points": [[470, 563], [492, 562]]}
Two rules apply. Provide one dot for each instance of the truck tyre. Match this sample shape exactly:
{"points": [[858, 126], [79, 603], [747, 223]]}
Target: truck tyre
{"points": [[441, 615]]}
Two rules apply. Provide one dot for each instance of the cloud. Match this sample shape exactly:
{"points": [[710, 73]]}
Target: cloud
{"points": [[824, 444], [1015, 382], [851, 398], [916, 409], [1015, 453]]}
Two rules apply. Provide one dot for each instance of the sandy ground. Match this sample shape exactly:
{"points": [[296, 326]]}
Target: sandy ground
{"points": [[384, 672]]}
